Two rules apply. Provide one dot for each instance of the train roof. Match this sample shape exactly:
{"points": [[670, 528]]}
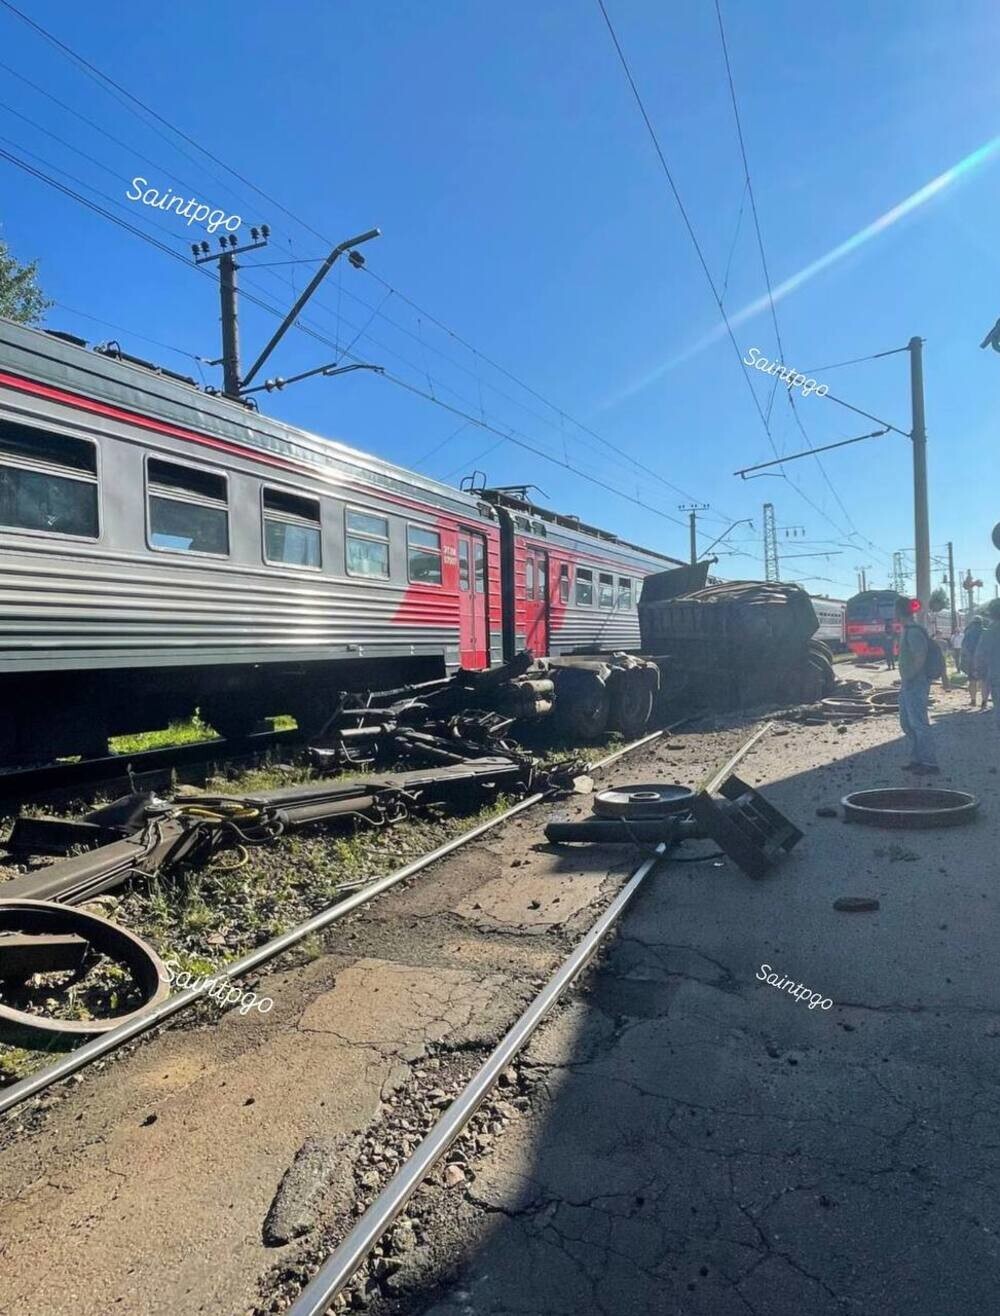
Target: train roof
{"points": [[112, 377], [510, 499], [107, 374]]}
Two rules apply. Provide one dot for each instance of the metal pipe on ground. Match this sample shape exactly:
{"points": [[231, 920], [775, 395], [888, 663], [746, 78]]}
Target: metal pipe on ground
{"points": [[145, 1020], [337, 1270]]}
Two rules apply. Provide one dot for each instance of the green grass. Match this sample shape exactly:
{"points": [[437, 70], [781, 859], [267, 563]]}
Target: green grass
{"points": [[177, 733], [180, 733]]}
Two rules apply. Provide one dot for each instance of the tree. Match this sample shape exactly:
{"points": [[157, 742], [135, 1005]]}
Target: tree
{"points": [[21, 298], [938, 600]]}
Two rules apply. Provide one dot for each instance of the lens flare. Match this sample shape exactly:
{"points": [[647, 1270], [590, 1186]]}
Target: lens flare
{"points": [[974, 160]]}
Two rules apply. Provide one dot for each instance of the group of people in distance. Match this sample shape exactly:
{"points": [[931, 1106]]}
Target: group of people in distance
{"points": [[922, 662]]}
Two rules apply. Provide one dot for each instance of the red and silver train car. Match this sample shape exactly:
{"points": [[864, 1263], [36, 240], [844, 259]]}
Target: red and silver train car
{"points": [[162, 549]]}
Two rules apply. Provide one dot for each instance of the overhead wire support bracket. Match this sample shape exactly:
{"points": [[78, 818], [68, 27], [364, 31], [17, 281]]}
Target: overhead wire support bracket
{"points": [[356, 259], [809, 452]]}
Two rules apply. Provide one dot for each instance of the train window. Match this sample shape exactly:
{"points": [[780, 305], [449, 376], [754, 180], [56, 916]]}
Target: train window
{"points": [[564, 583], [188, 509], [479, 558], [529, 577], [291, 529], [605, 591], [543, 578], [423, 551], [48, 482], [624, 592], [464, 569], [584, 587], [366, 543]]}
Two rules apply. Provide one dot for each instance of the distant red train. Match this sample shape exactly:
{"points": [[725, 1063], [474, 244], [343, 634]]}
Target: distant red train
{"points": [[865, 620]]}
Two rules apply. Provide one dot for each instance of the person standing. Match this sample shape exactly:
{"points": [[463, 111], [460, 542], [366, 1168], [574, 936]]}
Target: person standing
{"points": [[889, 646], [919, 663], [988, 658], [967, 657]]}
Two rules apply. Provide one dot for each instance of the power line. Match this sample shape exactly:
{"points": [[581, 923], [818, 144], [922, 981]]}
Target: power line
{"points": [[701, 257], [511, 435], [764, 266], [103, 78], [856, 360], [692, 235]]}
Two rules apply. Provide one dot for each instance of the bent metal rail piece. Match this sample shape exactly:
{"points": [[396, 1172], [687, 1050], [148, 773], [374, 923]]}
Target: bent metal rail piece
{"points": [[337, 1270], [151, 1016]]}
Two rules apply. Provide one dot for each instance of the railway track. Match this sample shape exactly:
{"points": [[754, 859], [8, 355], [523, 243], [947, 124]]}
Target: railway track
{"points": [[341, 1265], [28, 783], [146, 1020]]}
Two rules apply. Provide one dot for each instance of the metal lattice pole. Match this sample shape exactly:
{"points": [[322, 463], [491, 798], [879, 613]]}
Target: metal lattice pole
{"points": [[770, 545]]}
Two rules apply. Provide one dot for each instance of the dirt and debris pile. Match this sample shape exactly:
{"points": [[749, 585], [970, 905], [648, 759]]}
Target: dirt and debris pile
{"points": [[734, 645]]}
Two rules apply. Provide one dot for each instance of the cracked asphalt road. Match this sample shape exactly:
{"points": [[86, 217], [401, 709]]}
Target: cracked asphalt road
{"points": [[680, 1138], [701, 1144]]}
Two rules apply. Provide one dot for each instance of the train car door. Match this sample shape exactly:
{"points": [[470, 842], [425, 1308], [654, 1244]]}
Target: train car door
{"points": [[473, 630], [536, 600]]}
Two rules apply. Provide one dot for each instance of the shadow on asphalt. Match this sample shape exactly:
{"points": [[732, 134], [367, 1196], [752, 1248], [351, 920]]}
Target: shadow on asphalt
{"points": [[702, 1144]]}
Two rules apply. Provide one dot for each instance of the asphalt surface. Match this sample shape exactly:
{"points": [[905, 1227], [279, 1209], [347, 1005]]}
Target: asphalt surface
{"points": [[700, 1143], [681, 1138]]}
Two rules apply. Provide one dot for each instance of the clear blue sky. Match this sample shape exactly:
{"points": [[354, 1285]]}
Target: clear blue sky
{"points": [[500, 150]]}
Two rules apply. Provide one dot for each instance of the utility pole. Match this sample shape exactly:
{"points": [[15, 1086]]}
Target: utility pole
{"points": [[236, 385], [951, 587], [228, 291], [692, 510], [771, 567], [230, 325], [898, 574], [918, 437]]}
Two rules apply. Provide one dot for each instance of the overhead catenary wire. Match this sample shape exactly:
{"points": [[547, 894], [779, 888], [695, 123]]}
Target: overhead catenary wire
{"points": [[115, 88], [118, 91], [510, 435], [766, 271], [699, 252]]}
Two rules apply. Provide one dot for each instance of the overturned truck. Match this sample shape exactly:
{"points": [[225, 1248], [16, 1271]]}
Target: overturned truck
{"points": [[722, 646], [734, 645]]}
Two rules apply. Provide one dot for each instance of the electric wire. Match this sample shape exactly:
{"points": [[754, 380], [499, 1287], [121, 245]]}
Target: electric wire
{"points": [[115, 89], [700, 254], [767, 275], [511, 435]]}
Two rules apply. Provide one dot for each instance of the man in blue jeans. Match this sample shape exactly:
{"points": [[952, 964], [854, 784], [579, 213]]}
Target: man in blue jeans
{"points": [[914, 691]]}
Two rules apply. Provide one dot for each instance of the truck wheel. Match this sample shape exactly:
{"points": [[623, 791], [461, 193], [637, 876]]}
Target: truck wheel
{"points": [[582, 706], [631, 705]]}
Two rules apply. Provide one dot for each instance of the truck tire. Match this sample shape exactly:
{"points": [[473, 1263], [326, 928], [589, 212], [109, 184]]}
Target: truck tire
{"points": [[631, 704], [583, 703]]}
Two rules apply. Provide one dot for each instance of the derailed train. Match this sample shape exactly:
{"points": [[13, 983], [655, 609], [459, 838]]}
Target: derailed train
{"points": [[162, 549]]}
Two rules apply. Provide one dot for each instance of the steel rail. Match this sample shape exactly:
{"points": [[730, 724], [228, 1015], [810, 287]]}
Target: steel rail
{"points": [[337, 1270], [717, 778], [144, 1020]]}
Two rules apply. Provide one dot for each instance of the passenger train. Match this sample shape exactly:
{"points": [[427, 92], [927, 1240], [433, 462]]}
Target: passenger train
{"points": [[831, 615], [163, 549]]}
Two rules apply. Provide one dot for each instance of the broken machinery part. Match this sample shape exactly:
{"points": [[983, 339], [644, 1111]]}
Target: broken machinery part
{"points": [[50, 923]]}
